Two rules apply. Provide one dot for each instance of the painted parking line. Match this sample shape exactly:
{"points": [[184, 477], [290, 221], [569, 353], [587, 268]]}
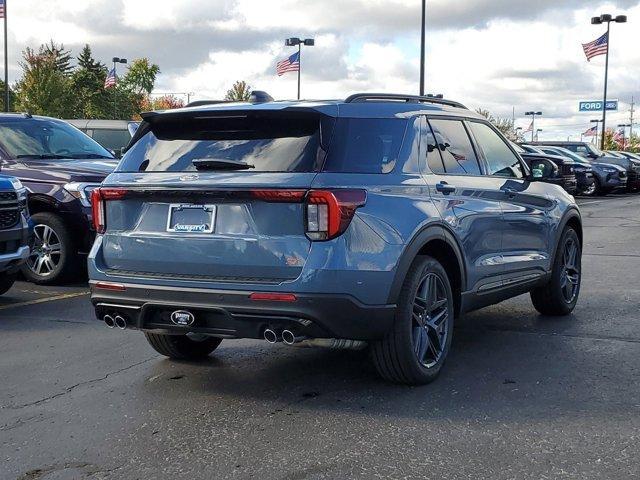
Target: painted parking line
{"points": [[43, 300]]}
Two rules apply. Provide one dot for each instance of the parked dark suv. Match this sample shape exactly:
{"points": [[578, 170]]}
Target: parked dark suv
{"points": [[593, 154], [14, 230], [59, 166], [558, 170], [375, 219]]}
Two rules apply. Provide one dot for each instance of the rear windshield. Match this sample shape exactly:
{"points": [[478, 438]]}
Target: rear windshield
{"points": [[273, 144]]}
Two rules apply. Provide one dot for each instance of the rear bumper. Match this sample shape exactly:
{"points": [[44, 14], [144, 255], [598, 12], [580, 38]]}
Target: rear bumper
{"points": [[232, 314]]}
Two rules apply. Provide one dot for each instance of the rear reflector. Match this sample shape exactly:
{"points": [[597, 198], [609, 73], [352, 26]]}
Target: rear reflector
{"points": [[117, 287], [273, 297], [290, 196]]}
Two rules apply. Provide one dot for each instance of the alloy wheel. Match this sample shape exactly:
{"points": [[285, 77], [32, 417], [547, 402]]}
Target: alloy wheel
{"points": [[570, 275], [47, 251], [430, 320], [590, 190]]}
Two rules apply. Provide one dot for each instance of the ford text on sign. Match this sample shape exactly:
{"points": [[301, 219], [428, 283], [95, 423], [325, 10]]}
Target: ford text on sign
{"points": [[596, 106]]}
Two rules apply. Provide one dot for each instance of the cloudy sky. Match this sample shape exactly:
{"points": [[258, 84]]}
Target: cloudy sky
{"points": [[494, 54]]}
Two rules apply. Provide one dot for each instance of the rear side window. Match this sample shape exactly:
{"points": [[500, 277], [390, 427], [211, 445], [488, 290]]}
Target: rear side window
{"points": [[111, 138], [457, 151], [434, 159], [267, 143], [365, 145], [502, 162]]}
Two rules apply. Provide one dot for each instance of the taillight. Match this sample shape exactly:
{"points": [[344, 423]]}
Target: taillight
{"points": [[279, 196], [329, 212], [98, 208]]}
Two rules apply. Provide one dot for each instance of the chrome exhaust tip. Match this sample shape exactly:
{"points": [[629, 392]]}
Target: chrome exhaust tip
{"points": [[270, 336], [289, 338], [109, 321], [120, 322]]}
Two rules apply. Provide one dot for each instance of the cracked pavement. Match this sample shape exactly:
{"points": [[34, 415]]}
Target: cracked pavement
{"points": [[522, 396]]}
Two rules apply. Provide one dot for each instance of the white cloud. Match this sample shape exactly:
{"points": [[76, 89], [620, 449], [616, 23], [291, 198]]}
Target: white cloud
{"points": [[485, 53]]}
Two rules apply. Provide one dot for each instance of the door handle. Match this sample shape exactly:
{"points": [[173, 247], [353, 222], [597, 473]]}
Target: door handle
{"points": [[445, 188]]}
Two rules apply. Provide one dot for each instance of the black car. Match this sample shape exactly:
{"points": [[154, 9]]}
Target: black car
{"points": [[555, 169], [59, 166], [582, 170], [593, 154], [14, 230], [607, 177]]}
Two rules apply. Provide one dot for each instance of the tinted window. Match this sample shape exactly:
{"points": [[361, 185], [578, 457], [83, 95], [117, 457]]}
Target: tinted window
{"points": [[454, 143], [269, 143], [501, 161], [111, 138], [41, 138], [364, 145], [434, 159]]}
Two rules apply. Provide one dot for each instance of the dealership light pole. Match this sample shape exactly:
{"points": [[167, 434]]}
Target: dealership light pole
{"points": [[116, 60], [533, 121], [422, 45], [606, 18], [537, 133], [298, 42]]}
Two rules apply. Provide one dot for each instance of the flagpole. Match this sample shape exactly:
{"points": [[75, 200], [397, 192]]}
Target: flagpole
{"points": [[422, 45], [606, 78], [299, 66], [6, 62]]}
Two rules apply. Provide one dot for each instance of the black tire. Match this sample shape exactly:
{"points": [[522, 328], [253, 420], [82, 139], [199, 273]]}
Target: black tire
{"points": [[399, 356], [552, 298], [6, 282], [65, 264], [599, 191], [181, 347]]}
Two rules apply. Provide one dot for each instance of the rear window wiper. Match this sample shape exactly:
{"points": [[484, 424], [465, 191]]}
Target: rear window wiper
{"points": [[220, 164]]}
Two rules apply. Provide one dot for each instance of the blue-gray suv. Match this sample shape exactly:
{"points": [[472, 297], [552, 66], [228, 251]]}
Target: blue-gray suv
{"points": [[374, 220]]}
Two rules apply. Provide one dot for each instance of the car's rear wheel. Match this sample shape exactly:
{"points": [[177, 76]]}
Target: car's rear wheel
{"points": [[6, 282], [415, 350], [53, 258], [598, 190], [591, 189], [560, 295], [182, 347]]}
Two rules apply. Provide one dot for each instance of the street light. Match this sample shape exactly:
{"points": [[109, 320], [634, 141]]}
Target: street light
{"points": [[517, 132], [537, 132], [606, 18], [297, 42], [533, 121], [422, 45], [115, 61]]}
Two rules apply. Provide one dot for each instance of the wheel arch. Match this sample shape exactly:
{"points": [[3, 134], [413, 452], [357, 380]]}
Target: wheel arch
{"points": [[571, 219], [438, 242]]}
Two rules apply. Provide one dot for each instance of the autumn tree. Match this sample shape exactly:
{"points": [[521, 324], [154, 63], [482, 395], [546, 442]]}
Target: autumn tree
{"points": [[44, 89], [505, 125], [239, 92]]}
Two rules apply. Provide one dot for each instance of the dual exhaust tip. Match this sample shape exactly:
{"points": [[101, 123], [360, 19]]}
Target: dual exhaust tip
{"points": [[286, 336], [116, 321]]}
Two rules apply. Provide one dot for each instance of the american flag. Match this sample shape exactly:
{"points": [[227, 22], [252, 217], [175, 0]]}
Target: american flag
{"points": [[592, 132], [110, 81], [1, 8], [291, 64], [598, 47], [529, 128]]}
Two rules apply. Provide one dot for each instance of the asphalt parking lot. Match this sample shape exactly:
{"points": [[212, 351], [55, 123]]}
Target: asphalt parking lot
{"points": [[522, 396]]}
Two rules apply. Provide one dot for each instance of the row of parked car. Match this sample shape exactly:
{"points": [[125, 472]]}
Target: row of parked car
{"points": [[581, 168], [374, 219]]}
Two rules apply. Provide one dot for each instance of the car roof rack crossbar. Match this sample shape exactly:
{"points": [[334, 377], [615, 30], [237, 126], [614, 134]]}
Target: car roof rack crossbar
{"points": [[437, 99]]}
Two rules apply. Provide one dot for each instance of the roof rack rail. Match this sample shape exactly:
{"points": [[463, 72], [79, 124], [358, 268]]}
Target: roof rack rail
{"points": [[363, 97]]}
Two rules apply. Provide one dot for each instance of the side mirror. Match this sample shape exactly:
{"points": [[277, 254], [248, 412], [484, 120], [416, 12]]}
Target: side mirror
{"points": [[542, 169]]}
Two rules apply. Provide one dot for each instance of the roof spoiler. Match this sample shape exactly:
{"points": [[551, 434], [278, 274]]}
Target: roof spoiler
{"points": [[395, 97]]}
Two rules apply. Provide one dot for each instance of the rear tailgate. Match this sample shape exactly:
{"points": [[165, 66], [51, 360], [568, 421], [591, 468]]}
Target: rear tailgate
{"points": [[218, 227]]}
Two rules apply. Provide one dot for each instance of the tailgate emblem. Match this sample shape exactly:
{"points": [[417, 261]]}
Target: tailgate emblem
{"points": [[183, 318]]}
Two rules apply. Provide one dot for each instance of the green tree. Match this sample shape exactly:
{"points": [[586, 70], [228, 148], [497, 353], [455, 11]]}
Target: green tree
{"points": [[505, 125], [140, 77], [87, 81], [60, 54], [12, 97], [239, 92], [43, 89]]}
